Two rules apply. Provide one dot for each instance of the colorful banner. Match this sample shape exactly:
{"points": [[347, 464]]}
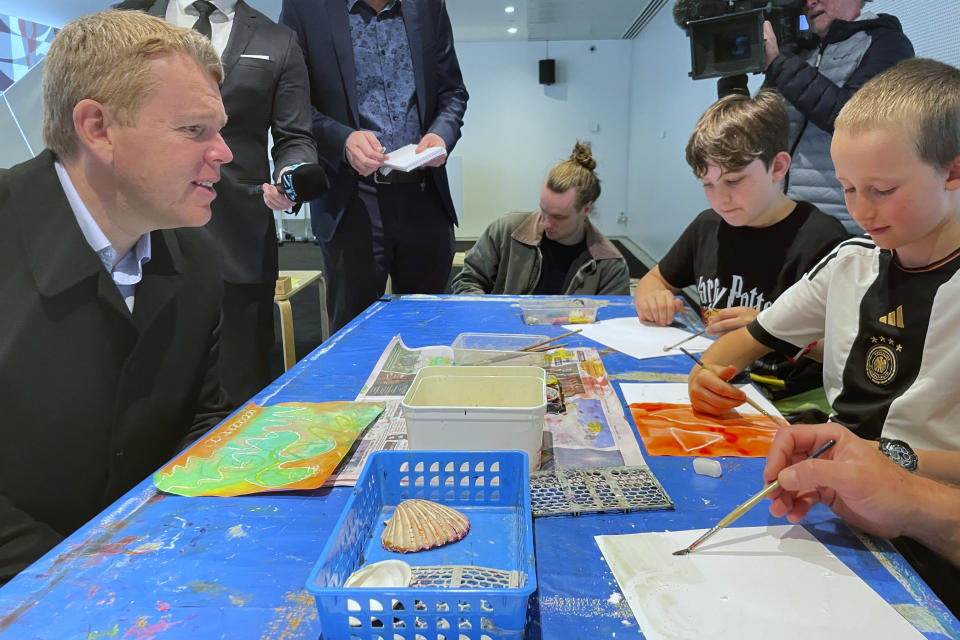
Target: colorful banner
{"points": [[22, 45], [277, 448]]}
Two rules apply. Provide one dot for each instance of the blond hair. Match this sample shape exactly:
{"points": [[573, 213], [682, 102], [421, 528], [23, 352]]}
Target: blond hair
{"points": [[736, 130], [106, 57], [576, 173], [920, 94]]}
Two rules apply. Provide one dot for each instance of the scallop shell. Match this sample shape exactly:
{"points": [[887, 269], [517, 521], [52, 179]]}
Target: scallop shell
{"points": [[386, 573], [417, 525]]}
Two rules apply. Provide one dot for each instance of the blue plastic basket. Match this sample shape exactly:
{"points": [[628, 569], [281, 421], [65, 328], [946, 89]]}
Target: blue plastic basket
{"points": [[492, 489]]}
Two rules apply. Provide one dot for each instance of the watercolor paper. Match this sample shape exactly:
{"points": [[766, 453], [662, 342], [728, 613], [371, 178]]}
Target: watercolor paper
{"points": [[638, 339], [752, 583], [669, 426], [293, 445]]}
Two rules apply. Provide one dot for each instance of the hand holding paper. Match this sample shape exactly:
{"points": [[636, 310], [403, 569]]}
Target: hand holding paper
{"points": [[432, 141], [407, 159]]}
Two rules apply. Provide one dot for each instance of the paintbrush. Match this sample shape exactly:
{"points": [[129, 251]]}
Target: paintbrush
{"points": [[748, 399], [746, 506], [540, 344], [687, 339]]}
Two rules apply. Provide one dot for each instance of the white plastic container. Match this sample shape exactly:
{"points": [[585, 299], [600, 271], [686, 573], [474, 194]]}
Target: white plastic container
{"points": [[477, 409]]}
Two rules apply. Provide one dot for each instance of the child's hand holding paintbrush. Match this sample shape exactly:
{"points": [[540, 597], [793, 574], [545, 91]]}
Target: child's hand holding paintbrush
{"points": [[710, 391], [729, 372]]}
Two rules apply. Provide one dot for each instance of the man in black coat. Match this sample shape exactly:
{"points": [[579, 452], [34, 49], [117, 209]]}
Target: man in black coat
{"points": [[109, 348], [264, 89]]}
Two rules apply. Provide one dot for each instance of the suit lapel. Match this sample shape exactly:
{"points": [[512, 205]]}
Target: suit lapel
{"points": [[161, 280], [159, 9], [56, 251], [411, 20], [343, 46], [244, 24]]}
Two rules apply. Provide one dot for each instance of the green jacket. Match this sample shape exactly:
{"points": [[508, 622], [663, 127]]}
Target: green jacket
{"points": [[506, 259]]}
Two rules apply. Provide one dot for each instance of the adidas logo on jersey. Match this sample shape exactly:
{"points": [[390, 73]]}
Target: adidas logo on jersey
{"points": [[894, 318]]}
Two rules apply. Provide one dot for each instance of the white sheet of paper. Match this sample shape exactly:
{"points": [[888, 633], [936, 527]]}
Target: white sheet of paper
{"points": [[640, 340], [751, 583], [676, 393], [407, 159]]}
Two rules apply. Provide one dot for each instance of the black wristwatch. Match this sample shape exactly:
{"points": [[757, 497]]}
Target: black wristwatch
{"points": [[900, 452]]}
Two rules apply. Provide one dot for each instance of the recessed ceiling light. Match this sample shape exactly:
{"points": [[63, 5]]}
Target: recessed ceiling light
{"points": [[509, 9], [511, 30]]}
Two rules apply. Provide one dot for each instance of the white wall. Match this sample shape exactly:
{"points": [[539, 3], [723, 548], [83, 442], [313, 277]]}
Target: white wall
{"points": [[663, 195], [932, 26], [517, 129]]}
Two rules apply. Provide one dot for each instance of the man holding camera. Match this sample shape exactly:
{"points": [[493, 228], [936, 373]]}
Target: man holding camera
{"points": [[850, 48]]}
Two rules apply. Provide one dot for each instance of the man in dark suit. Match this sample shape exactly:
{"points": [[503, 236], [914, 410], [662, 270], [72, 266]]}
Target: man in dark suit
{"points": [[264, 89], [383, 74], [108, 363]]}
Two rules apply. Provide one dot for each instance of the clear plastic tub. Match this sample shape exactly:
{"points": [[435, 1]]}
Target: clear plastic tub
{"points": [[497, 341], [472, 349], [565, 311], [477, 409]]}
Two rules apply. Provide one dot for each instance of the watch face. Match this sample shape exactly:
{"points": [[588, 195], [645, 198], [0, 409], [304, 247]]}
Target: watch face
{"points": [[900, 452]]}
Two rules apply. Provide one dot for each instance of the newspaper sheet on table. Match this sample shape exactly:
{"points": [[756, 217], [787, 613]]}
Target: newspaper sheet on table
{"points": [[592, 433]]}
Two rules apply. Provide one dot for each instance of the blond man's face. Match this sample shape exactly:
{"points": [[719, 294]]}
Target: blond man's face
{"points": [[167, 162]]}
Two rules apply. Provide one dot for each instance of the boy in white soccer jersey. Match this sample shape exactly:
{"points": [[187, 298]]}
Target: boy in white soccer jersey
{"points": [[887, 306]]}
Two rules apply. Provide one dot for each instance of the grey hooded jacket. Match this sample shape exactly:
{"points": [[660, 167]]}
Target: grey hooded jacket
{"points": [[816, 84], [506, 259]]}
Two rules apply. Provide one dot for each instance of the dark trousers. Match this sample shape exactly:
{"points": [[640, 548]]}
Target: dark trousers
{"points": [[246, 338], [400, 230]]}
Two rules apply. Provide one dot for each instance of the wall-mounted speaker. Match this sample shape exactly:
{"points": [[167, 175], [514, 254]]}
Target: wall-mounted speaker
{"points": [[548, 71]]}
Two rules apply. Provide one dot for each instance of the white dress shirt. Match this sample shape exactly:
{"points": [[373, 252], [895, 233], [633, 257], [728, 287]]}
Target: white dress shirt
{"points": [[183, 14], [128, 270]]}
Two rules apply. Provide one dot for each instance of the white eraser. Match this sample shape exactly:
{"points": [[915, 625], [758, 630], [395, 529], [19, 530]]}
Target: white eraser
{"points": [[707, 467]]}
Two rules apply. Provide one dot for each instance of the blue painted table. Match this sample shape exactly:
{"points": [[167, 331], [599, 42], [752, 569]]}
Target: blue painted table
{"points": [[165, 567]]}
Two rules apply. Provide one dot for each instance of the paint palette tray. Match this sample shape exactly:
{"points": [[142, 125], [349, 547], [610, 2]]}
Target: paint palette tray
{"points": [[576, 491], [449, 597]]}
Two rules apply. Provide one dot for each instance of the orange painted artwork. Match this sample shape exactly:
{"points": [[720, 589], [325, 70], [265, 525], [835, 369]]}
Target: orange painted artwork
{"points": [[677, 430]]}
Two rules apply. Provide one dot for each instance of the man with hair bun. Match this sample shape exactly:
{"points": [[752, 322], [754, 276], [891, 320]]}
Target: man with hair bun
{"points": [[551, 251]]}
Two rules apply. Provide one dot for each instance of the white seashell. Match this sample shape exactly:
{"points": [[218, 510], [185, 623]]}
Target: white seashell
{"points": [[386, 573], [417, 525]]}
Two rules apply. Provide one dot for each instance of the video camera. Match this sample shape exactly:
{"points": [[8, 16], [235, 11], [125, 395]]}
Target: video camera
{"points": [[726, 36]]}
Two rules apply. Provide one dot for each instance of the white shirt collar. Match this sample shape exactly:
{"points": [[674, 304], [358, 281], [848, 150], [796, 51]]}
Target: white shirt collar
{"points": [[92, 232]]}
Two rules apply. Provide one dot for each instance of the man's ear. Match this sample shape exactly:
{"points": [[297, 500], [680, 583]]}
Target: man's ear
{"points": [[587, 208], [953, 175], [779, 166], [92, 122]]}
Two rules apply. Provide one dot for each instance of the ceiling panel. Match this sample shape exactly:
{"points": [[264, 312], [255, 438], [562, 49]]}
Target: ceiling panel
{"points": [[473, 20]]}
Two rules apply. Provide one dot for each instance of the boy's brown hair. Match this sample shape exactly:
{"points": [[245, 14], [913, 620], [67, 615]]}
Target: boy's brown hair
{"points": [[738, 129], [920, 94], [107, 57]]}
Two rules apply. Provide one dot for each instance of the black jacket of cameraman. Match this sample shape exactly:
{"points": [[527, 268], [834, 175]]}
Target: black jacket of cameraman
{"points": [[816, 83]]}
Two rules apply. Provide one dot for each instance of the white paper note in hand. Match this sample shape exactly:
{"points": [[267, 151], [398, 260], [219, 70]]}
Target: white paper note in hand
{"points": [[407, 159]]}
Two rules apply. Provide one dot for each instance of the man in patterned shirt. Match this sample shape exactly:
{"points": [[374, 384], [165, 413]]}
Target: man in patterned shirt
{"points": [[383, 74]]}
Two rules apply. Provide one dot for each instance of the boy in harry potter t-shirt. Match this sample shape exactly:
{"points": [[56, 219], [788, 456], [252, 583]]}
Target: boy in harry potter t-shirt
{"points": [[754, 242]]}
